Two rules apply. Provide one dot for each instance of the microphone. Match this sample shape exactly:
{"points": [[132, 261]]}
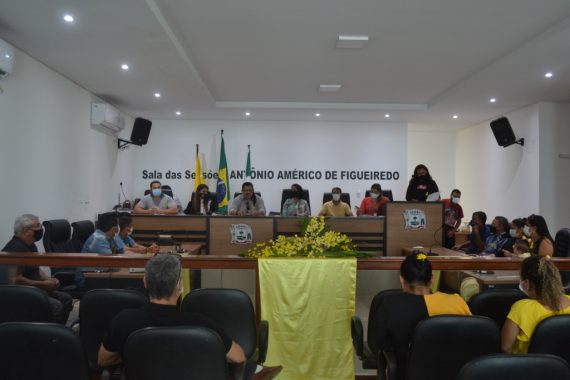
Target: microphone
{"points": [[247, 207], [122, 190], [430, 253]]}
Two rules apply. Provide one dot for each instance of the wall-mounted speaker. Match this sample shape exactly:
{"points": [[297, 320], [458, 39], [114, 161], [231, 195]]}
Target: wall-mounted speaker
{"points": [[141, 130], [504, 132]]}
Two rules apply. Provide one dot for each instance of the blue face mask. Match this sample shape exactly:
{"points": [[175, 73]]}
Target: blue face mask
{"points": [[156, 192]]}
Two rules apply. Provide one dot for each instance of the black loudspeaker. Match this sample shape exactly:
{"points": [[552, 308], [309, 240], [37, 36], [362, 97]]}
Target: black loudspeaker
{"points": [[141, 130], [504, 132]]}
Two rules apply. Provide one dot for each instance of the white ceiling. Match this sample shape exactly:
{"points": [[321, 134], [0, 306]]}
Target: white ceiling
{"points": [[214, 59]]}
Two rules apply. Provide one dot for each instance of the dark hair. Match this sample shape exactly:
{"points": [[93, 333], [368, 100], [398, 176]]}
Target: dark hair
{"points": [[196, 198], [520, 222], [162, 274], [298, 188], [153, 182], [456, 191], [376, 186], [545, 280], [246, 184], [125, 221], [336, 188], [481, 215], [416, 270], [504, 222], [106, 221], [540, 224], [421, 166]]}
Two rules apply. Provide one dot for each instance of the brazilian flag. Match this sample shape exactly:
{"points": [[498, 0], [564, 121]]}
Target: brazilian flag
{"points": [[223, 185]]}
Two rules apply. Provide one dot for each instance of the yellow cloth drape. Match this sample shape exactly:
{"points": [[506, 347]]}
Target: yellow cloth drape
{"points": [[185, 282], [309, 304]]}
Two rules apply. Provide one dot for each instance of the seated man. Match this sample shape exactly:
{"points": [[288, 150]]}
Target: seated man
{"points": [[247, 203], [28, 230], [103, 239], [156, 202], [124, 241], [335, 207], [500, 239], [164, 284], [479, 234]]}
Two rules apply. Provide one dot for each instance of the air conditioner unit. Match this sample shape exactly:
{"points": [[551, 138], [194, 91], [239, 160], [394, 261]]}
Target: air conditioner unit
{"points": [[7, 58], [107, 117]]}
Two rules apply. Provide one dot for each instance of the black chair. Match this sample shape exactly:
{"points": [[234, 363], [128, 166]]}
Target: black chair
{"points": [[345, 197], [40, 351], [81, 232], [562, 249], [286, 194], [57, 238], [442, 345], [96, 311], [551, 336], [157, 353], [233, 311], [24, 304], [495, 303], [213, 198], [147, 192], [511, 367], [387, 193], [166, 189]]}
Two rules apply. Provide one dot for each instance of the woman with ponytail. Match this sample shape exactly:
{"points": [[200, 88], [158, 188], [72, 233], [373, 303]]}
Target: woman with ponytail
{"points": [[540, 280]]}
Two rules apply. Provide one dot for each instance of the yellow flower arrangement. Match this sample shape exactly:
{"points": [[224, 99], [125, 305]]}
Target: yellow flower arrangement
{"points": [[316, 240]]}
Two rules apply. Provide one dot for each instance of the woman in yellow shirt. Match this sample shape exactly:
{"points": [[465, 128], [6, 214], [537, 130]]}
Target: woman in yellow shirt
{"points": [[540, 280]]}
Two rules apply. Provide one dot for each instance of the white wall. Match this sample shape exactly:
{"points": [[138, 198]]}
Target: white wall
{"points": [[52, 163], [278, 146]]}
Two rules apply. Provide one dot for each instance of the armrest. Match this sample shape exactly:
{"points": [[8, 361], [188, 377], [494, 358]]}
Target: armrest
{"points": [[357, 333], [262, 340], [388, 359]]}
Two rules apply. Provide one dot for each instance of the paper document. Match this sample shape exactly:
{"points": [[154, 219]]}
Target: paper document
{"points": [[433, 197]]}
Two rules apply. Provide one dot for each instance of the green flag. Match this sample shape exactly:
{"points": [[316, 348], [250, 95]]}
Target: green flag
{"points": [[248, 165], [223, 185]]}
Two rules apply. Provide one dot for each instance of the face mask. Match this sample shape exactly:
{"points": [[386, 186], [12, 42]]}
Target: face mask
{"points": [[521, 288], [493, 229], [295, 194], [455, 200], [336, 197], [38, 234], [130, 231], [374, 195], [203, 196], [156, 192], [526, 230], [513, 232]]}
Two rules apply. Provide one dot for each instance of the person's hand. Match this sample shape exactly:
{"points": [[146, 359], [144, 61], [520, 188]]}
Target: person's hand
{"points": [[240, 213], [153, 248], [50, 285], [508, 253]]}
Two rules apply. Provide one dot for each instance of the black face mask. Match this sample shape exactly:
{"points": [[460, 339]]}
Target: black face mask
{"points": [[493, 229], [295, 194], [38, 234], [203, 196]]}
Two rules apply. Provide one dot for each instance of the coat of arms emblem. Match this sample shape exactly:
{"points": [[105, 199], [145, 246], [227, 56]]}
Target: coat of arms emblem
{"points": [[241, 233], [414, 219]]}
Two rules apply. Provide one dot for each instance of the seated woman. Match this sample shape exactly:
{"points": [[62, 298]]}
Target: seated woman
{"points": [[125, 242], [400, 314], [540, 280], [374, 204], [542, 243], [296, 205], [516, 232], [201, 203]]}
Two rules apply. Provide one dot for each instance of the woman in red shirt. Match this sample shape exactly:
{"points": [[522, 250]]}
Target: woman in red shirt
{"points": [[374, 204]]}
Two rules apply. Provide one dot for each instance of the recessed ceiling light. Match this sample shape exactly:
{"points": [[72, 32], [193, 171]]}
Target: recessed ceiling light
{"points": [[351, 42], [7, 56], [68, 18], [492, 100], [548, 75], [329, 87], [248, 114], [387, 115], [157, 94], [124, 66], [317, 114], [178, 113], [455, 116]]}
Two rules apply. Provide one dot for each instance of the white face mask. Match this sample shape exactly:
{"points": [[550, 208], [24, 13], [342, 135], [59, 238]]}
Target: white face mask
{"points": [[374, 195], [130, 231], [526, 230], [336, 197], [455, 200], [513, 233], [521, 288]]}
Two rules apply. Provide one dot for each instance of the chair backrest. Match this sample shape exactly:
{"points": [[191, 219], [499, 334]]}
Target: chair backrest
{"points": [[195, 353], [96, 311], [442, 345], [24, 304], [40, 351], [495, 303], [147, 192], [552, 336], [231, 309], [286, 194], [166, 189], [562, 243], [385, 192], [374, 317], [81, 232], [345, 197], [507, 367], [57, 236]]}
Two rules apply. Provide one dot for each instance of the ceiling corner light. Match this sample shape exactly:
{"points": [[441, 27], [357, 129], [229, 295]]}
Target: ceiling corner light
{"points": [[8, 56], [492, 100], [548, 75], [157, 94], [351, 42], [178, 113], [387, 115], [329, 87], [318, 114], [68, 18], [124, 66], [455, 116], [248, 114]]}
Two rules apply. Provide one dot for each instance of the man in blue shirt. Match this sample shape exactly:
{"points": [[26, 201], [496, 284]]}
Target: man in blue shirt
{"points": [[500, 239], [103, 239], [479, 234]]}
